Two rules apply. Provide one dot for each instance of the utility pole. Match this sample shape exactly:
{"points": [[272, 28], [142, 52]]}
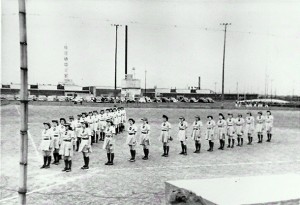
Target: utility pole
{"points": [[145, 92], [126, 47], [237, 90], [271, 89], [24, 103], [116, 56], [223, 70]]}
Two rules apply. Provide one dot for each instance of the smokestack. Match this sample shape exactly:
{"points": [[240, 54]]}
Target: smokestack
{"points": [[199, 83], [126, 42]]}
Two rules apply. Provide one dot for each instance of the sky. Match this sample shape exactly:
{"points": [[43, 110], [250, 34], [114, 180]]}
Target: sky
{"points": [[174, 40]]}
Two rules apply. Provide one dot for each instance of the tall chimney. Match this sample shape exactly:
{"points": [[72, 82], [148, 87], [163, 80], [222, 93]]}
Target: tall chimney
{"points": [[199, 83]]}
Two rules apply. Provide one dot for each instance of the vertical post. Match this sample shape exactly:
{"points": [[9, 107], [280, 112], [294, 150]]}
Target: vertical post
{"points": [[223, 70], [24, 103], [145, 92], [116, 56], [237, 91], [126, 48]]}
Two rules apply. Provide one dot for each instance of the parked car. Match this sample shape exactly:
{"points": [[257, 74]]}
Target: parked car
{"points": [[165, 100], [157, 100], [77, 100], [148, 100], [202, 100], [32, 98], [172, 99], [193, 100], [9, 97], [42, 98], [209, 100], [61, 98], [98, 99], [88, 99], [142, 100], [51, 98], [184, 99], [122, 100], [17, 97]]}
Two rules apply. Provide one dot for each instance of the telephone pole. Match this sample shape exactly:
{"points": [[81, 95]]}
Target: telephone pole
{"points": [[126, 48], [223, 70], [116, 55], [145, 92], [24, 103]]}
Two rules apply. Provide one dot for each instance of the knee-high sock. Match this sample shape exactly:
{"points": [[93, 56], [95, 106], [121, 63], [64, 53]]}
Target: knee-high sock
{"points": [[70, 164], [45, 160], [49, 160], [87, 161], [232, 142], [108, 157], [112, 155], [229, 140], [242, 141], [167, 150]]}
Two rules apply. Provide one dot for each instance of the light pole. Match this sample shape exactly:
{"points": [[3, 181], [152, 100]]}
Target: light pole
{"points": [[145, 92], [223, 70], [116, 56]]}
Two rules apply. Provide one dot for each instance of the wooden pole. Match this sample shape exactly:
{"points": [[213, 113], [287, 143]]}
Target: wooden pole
{"points": [[223, 68], [24, 103], [126, 48], [116, 56]]}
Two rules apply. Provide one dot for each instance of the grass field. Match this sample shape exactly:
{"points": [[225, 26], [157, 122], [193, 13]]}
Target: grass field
{"points": [[141, 182]]}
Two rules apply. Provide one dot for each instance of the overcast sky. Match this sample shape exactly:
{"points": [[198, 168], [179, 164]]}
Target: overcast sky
{"points": [[175, 41]]}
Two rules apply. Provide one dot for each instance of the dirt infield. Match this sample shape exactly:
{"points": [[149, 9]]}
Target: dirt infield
{"points": [[141, 182]]}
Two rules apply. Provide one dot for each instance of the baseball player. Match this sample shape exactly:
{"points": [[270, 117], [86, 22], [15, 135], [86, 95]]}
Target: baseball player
{"points": [[210, 132], [249, 127], [85, 145], [67, 147], [269, 125], [145, 139], [182, 126], [131, 138], [109, 142], [230, 130], [165, 135], [196, 133], [260, 127], [239, 127], [46, 145], [221, 130]]}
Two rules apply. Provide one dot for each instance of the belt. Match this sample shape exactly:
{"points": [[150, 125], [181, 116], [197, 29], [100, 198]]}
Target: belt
{"points": [[229, 125], [164, 130], [239, 125], [101, 120], [131, 133], [46, 139], [220, 126], [181, 129], [84, 138], [144, 132], [209, 128], [67, 140], [55, 135]]}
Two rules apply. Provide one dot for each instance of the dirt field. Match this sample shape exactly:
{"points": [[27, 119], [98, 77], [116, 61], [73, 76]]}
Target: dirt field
{"points": [[141, 182]]}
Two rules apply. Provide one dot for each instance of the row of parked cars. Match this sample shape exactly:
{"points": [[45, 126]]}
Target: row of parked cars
{"points": [[80, 100], [179, 99]]}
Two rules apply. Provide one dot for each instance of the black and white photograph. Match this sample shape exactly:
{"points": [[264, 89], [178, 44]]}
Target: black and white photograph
{"points": [[129, 102]]}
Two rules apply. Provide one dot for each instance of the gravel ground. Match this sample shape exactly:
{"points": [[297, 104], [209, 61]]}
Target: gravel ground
{"points": [[141, 182]]}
